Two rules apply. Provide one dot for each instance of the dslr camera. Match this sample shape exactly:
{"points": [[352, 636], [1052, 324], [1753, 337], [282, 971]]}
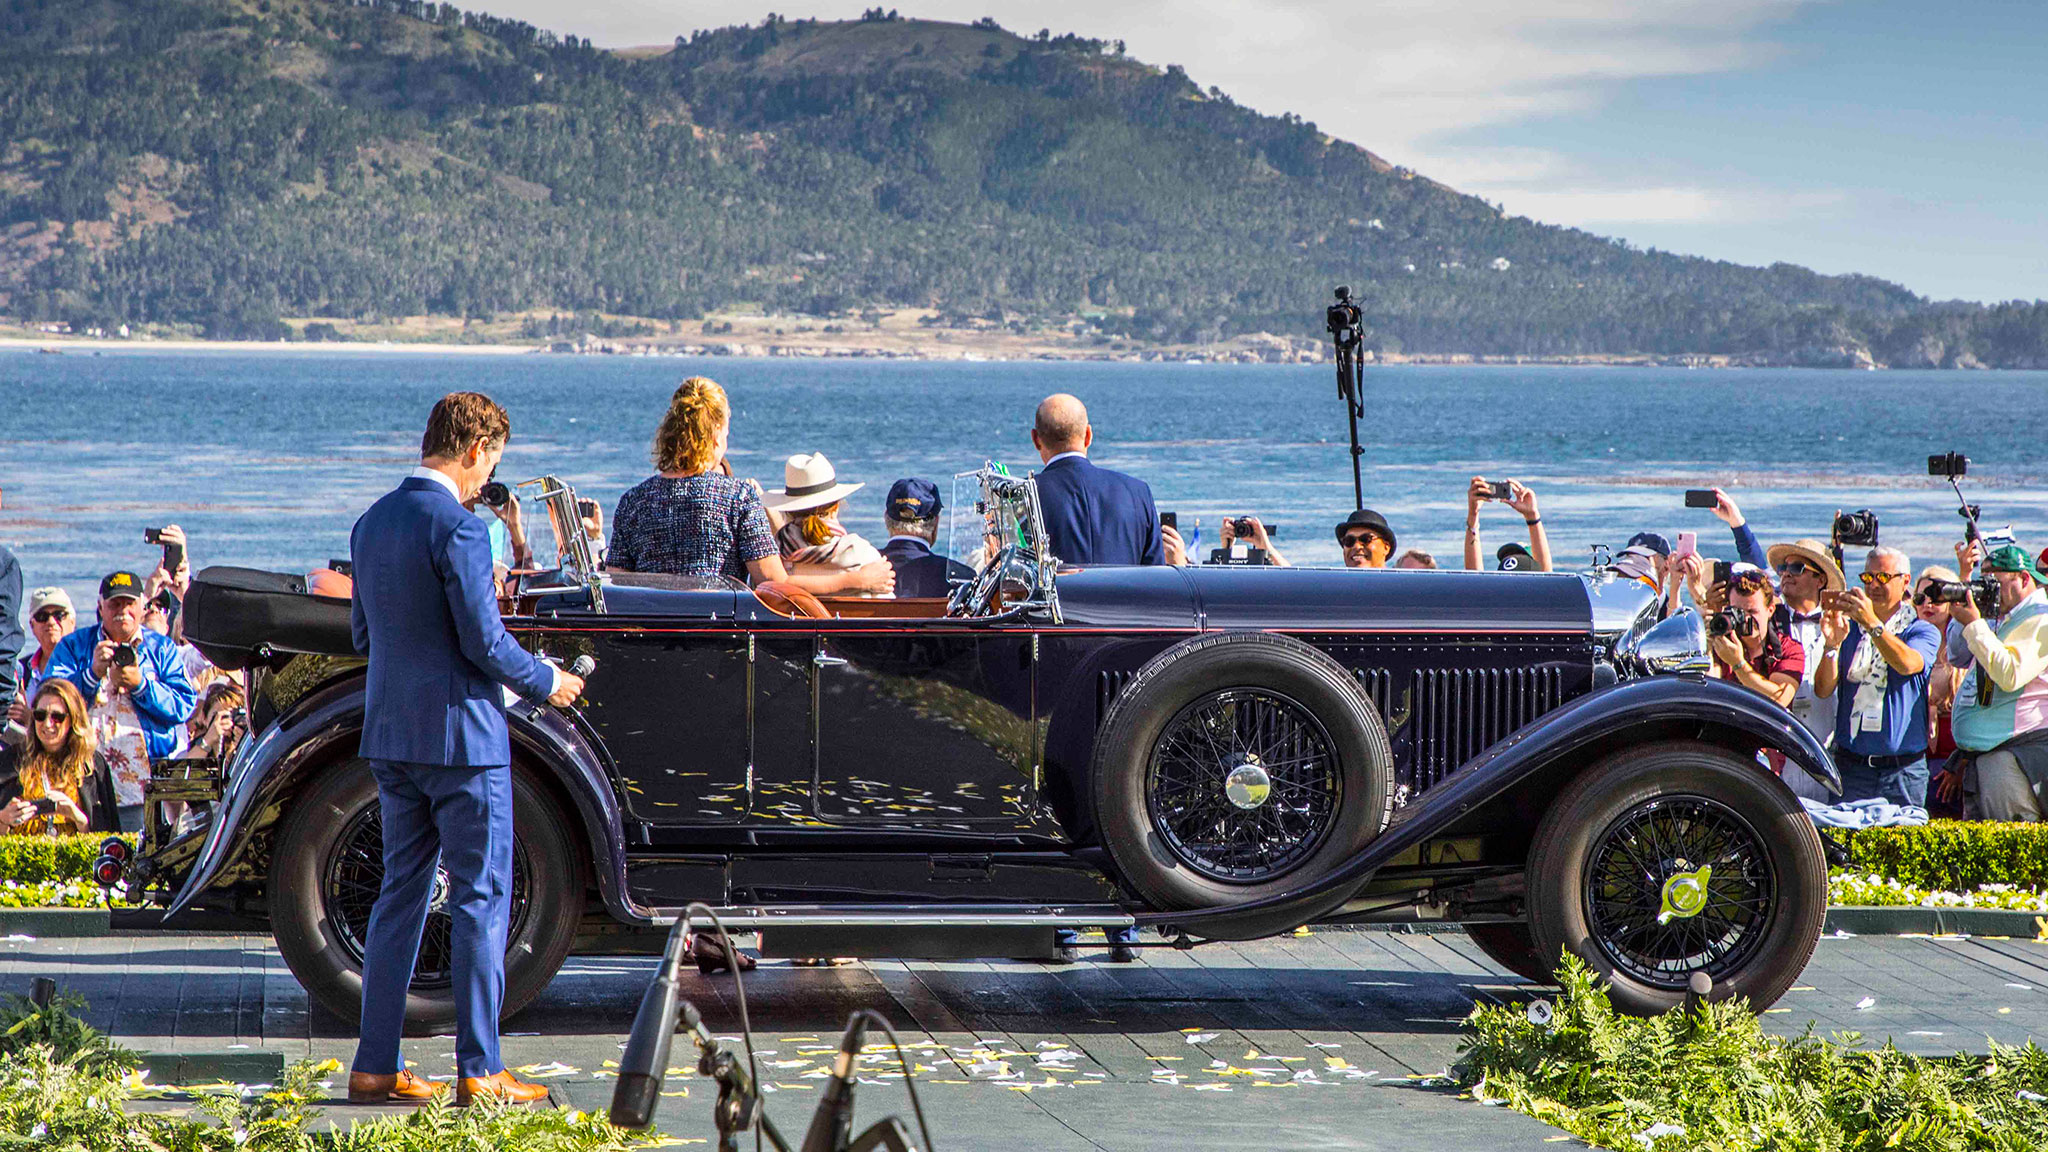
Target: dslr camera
{"points": [[1241, 527], [1982, 590], [1857, 529], [123, 657], [496, 494], [1729, 622]]}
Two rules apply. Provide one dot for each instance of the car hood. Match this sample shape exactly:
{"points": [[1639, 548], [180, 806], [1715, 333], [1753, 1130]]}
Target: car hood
{"points": [[1313, 598]]}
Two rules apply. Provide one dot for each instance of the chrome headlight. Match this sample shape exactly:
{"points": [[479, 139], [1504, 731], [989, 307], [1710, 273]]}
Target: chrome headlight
{"points": [[1677, 643]]}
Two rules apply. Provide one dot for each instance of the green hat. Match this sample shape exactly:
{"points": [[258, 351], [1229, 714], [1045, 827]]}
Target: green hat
{"points": [[2013, 558]]}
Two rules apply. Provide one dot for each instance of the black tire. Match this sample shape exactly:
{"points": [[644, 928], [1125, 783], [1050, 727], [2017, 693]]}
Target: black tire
{"points": [[1261, 707], [1509, 945], [1607, 877], [325, 868]]}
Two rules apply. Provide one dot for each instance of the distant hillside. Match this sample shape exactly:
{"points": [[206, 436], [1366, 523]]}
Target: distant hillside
{"points": [[228, 162]]}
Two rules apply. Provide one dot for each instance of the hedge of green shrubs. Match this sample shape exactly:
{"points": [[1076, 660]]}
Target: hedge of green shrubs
{"points": [[1946, 855], [48, 859], [1954, 855]]}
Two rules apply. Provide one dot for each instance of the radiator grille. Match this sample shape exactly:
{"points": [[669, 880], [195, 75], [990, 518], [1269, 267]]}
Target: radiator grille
{"points": [[1443, 717]]}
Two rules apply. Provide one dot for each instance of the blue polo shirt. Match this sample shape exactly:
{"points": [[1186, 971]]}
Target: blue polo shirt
{"points": [[1905, 698]]}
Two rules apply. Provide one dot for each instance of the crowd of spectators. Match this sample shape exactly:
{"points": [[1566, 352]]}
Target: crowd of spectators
{"points": [[92, 707]]}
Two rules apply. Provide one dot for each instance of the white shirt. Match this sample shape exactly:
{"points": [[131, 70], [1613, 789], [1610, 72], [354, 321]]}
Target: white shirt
{"points": [[1062, 456], [439, 477], [1817, 713]]}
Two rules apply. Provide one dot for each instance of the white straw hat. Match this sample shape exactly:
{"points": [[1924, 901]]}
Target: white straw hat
{"points": [[809, 482]]}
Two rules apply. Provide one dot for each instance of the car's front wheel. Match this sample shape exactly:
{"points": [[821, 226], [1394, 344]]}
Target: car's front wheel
{"points": [[1662, 861], [327, 865]]}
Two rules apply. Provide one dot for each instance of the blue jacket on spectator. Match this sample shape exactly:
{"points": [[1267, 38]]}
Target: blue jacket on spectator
{"points": [[1096, 516], [11, 639], [163, 702], [425, 612], [1749, 551]]}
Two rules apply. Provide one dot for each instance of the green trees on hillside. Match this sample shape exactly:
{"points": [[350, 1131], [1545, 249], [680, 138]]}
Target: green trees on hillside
{"points": [[227, 163]]}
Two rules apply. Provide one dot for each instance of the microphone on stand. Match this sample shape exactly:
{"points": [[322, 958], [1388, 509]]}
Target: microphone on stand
{"points": [[832, 1125]]}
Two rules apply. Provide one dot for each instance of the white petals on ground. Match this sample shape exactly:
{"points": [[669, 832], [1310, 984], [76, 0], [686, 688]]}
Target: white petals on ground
{"points": [[1202, 1037], [1866, 1002]]}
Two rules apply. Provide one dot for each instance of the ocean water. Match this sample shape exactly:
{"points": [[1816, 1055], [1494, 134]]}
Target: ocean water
{"points": [[266, 458]]}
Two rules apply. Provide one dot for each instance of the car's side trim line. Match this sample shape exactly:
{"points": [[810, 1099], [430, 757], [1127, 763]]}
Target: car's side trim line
{"points": [[754, 917]]}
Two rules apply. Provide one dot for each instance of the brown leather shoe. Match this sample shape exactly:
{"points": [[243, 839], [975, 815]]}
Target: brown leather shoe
{"points": [[386, 1087], [500, 1086]]}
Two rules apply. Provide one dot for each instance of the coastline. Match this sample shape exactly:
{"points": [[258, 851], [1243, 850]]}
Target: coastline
{"points": [[74, 345]]}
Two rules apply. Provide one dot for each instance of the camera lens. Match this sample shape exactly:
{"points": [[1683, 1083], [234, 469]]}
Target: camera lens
{"points": [[496, 494]]}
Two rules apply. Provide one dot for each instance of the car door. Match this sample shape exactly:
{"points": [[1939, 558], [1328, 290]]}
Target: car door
{"points": [[671, 705], [923, 724]]}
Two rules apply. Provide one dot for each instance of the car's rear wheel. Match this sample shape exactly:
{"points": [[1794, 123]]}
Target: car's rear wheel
{"points": [[1509, 945], [1678, 858], [1237, 767], [327, 865]]}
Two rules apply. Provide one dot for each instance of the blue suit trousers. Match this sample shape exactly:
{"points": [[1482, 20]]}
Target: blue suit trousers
{"points": [[460, 820]]}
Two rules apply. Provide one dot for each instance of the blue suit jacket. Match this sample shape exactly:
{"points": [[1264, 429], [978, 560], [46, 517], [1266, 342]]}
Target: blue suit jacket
{"points": [[426, 615], [1096, 516], [163, 702], [921, 571]]}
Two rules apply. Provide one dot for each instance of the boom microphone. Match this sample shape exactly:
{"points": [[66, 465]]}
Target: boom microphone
{"points": [[832, 1125], [645, 1059]]}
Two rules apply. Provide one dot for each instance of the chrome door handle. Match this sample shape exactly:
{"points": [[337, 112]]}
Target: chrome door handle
{"points": [[823, 660]]}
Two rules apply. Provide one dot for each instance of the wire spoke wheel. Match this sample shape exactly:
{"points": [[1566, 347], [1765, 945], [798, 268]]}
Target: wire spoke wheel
{"points": [[1679, 884], [355, 874], [1243, 785]]}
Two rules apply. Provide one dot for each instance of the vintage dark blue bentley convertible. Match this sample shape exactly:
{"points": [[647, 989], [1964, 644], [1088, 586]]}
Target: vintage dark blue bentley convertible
{"points": [[1216, 752]]}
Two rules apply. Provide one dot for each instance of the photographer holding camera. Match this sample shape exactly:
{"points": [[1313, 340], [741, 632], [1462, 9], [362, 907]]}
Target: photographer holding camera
{"points": [[1522, 499], [1749, 642], [135, 688], [1886, 654], [1253, 532], [2001, 708]]}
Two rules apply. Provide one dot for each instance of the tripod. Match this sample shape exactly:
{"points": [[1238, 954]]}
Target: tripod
{"points": [[1346, 324]]}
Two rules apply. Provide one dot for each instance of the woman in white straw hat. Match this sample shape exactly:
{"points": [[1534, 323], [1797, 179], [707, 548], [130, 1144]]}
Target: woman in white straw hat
{"points": [[813, 541]]}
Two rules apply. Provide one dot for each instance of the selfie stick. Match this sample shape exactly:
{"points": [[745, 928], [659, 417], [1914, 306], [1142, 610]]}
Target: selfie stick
{"points": [[1344, 320]]}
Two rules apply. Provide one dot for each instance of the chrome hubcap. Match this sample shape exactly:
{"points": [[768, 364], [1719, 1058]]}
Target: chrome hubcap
{"points": [[1685, 894], [1248, 786]]}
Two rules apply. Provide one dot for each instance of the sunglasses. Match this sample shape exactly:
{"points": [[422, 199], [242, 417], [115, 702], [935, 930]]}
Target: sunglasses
{"points": [[1359, 539], [1873, 579], [1797, 569], [49, 614], [45, 715]]}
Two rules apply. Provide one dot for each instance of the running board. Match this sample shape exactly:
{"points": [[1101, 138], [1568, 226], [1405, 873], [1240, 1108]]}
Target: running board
{"points": [[754, 918]]}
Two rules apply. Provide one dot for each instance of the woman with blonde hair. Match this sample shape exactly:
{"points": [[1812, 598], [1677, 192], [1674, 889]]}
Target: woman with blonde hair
{"points": [[56, 781], [693, 518]]}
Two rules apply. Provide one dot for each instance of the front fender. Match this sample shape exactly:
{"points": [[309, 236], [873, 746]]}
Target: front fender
{"points": [[1712, 708], [327, 725]]}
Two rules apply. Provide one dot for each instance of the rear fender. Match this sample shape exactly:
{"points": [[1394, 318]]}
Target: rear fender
{"points": [[326, 726], [1659, 708]]}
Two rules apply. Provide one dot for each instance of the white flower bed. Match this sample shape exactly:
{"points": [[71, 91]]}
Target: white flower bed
{"points": [[1865, 891], [52, 894]]}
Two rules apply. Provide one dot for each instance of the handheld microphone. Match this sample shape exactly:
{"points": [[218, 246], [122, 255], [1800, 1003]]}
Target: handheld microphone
{"points": [[832, 1125], [583, 667]]}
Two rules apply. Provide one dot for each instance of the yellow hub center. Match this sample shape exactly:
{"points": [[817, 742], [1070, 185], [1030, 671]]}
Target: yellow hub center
{"points": [[1685, 894]]}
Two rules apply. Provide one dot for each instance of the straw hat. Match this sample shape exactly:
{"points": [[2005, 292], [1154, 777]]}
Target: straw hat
{"points": [[1814, 553], [808, 481]]}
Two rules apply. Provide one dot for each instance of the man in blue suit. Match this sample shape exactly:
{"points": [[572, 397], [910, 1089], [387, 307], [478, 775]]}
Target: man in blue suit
{"points": [[1094, 515], [911, 513], [425, 612]]}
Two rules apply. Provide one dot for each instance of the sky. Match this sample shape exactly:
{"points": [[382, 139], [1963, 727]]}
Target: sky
{"points": [[1898, 138]]}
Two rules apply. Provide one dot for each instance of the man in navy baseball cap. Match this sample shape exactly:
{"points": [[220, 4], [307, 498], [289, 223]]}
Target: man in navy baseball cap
{"points": [[911, 512]]}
